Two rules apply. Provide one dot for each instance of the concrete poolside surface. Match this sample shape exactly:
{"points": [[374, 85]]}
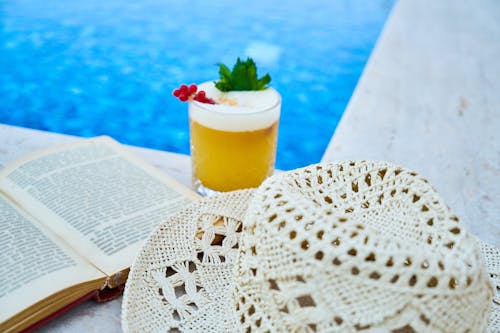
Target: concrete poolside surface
{"points": [[429, 100]]}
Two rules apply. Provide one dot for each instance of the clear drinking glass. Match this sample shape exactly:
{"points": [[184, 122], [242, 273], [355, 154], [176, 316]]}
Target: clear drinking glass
{"points": [[233, 144]]}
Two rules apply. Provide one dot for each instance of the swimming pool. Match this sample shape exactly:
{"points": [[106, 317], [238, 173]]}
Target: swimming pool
{"points": [[108, 67]]}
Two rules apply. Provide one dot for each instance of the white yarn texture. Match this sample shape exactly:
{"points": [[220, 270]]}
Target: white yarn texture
{"points": [[349, 247]]}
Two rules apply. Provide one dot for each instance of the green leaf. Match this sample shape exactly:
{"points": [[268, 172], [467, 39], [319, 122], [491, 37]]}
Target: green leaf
{"points": [[263, 82], [224, 72], [242, 77], [225, 78]]}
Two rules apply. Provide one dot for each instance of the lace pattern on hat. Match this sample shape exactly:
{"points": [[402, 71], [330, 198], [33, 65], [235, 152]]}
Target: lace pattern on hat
{"points": [[185, 273], [349, 247], [358, 247]]}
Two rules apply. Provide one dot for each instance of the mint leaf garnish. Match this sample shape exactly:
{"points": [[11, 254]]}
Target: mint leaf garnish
{"points": [[242, 77]]}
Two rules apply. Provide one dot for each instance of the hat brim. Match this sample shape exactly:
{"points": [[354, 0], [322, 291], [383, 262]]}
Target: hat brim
{"points": [[183, 274], [183, 277]]}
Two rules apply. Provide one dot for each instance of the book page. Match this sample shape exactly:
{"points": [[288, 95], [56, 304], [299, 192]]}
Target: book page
{"points": [[96, 195], [33, 264]]}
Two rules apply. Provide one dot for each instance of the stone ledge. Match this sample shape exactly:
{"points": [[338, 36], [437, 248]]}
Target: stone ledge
{"points": [[429, 100]]}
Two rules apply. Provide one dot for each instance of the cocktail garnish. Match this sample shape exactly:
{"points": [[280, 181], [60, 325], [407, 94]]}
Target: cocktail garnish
{"points": [[242, 77], [190, 93]]}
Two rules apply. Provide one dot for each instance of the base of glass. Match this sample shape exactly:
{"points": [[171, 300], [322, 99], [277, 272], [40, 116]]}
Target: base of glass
{"points": [[204, 191]]}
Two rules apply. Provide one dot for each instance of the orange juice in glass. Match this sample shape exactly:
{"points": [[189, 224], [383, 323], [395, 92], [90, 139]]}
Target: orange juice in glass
{"points": [[233, 142]]}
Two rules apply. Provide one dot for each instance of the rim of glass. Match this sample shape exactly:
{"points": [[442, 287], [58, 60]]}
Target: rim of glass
{"points": [[213, 109]]}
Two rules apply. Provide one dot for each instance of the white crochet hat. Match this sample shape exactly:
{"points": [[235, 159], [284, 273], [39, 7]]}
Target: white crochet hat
{"points": [[350, 247]]}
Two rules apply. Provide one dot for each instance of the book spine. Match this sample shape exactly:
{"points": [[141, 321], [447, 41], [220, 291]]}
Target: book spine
{"points": [[108, 294]]}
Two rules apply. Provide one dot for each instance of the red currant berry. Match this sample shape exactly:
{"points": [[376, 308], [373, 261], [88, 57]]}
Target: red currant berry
{"points": [[201, 94], [185, 92], [193, 88]]}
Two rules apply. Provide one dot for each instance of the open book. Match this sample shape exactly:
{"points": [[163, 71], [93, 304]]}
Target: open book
{"points": [[71, 221]]}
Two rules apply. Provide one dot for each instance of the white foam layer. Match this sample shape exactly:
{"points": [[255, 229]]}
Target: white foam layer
{"points": [[253, 109]]}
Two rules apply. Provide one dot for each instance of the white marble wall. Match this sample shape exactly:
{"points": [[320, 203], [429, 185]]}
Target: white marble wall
{"points": [[429, 100]]}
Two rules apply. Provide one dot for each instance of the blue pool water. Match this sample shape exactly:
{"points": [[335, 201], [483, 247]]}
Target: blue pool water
{"points": [[108, 67]]}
